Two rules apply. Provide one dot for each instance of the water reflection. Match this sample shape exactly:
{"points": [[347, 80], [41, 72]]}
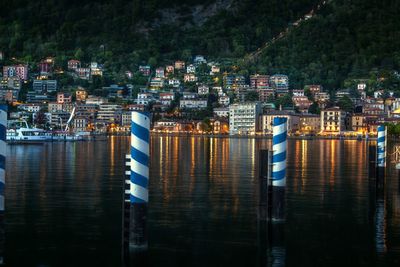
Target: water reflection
{"points": [[2, 239], [65, 199]]}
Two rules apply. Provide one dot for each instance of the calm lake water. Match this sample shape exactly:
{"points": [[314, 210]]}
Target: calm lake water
{"points": [[64, 201]]}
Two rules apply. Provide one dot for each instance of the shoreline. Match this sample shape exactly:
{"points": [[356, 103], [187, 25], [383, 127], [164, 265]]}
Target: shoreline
{"points": [[258, 136]]}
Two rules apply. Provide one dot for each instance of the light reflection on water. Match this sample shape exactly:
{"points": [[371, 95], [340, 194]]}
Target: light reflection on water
{"points": [[63, 203]]}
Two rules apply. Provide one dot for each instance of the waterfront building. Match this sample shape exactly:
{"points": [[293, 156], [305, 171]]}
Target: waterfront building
{"points": [[88, 111], [164, 125], [243, 118], [219, 126], [126, 119], [359, 123], [333, 120], [58, 119], [80, 124], [109, 113], [293, 121], [310, 123]]}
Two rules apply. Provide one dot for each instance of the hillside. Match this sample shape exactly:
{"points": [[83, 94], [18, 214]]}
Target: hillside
{"points": [[345, 39], [122, 32]]}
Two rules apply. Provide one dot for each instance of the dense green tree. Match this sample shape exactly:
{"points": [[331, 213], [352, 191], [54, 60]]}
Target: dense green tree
{"points": [[251, 96], [345, 104], [314, 109], [284, 101], [344, 39]]}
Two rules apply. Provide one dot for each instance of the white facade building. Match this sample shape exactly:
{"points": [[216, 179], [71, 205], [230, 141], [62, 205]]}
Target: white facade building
{"points": [[191, 69], [221, 112], [144, 98], [224, 100], [166, 98], [333, 120], [203, 90], [243, 118], [193, 103]]}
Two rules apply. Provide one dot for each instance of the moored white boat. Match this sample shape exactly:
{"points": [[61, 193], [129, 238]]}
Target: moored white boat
{"points": [[26, 135], [65, 136]]}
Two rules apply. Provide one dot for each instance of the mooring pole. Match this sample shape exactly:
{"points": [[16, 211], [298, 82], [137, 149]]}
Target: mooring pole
{"points": [[264, 169], [3, 148], [279, 147], [381, 151], [139, 194], [380, 216], [126, 205], [371, 161], [263, 185]]}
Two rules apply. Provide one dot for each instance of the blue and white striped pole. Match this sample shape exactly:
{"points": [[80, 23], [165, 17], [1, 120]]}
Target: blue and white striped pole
{"points": [[279, 147], [381, 150], [139, 193], [3, 147]]}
